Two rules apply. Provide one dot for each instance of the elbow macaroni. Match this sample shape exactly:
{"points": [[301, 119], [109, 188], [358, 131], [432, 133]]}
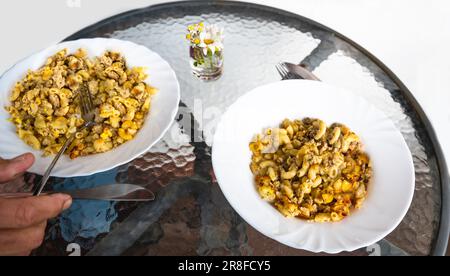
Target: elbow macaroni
{"points": [[45, 109], [311, 171]]}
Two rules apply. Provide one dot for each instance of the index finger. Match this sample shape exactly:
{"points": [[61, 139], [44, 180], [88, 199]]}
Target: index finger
{"points": [[24, 212], [9, 169]]}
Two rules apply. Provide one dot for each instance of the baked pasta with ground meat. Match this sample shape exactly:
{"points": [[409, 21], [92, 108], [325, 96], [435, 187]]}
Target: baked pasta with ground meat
{"points": [[45, 105], [309, 170]]}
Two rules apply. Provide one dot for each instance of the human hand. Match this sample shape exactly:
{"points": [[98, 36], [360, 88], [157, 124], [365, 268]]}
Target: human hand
{"points": [[23, 220]]}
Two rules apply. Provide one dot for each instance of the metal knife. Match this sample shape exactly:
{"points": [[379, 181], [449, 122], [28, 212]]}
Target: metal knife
{"points": [[112, 192]]}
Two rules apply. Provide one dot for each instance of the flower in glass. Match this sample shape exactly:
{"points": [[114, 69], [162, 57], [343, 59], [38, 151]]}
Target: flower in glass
{"points": [[206, 50]]}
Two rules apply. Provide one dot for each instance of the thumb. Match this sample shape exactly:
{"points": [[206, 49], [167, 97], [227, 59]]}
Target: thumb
{"points": [[10, 168], [28, 211]]}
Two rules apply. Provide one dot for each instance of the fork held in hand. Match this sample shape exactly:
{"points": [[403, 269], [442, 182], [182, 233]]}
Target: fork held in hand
{"points": [[88, 115]]}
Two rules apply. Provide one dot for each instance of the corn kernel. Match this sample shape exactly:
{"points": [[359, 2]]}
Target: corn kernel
{"points": [[127, 124], [124, 135], [327, 198], [346, 186]]}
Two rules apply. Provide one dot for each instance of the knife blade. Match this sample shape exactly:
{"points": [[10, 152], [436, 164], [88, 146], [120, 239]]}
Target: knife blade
{"points": [[111, 192]]}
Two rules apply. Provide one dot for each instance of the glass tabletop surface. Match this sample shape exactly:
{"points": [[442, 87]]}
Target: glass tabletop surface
{"points": [[190, 215]]}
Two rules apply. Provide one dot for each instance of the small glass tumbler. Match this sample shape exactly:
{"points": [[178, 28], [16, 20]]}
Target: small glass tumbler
{"points": [[206, 66]]}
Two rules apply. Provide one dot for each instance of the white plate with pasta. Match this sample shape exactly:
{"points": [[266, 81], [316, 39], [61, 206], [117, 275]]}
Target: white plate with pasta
{"points": [[133, 81], [389, 192]]}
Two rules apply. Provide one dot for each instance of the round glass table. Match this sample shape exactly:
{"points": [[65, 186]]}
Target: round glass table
{"points": [[190, 215]]}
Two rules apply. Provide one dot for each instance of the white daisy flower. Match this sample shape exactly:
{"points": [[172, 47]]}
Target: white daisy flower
{"points": [[209, 37]]}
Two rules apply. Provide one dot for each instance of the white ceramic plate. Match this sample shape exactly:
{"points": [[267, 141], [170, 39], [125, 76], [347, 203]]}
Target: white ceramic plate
{"points": [[164, 107], [389, 194]]}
